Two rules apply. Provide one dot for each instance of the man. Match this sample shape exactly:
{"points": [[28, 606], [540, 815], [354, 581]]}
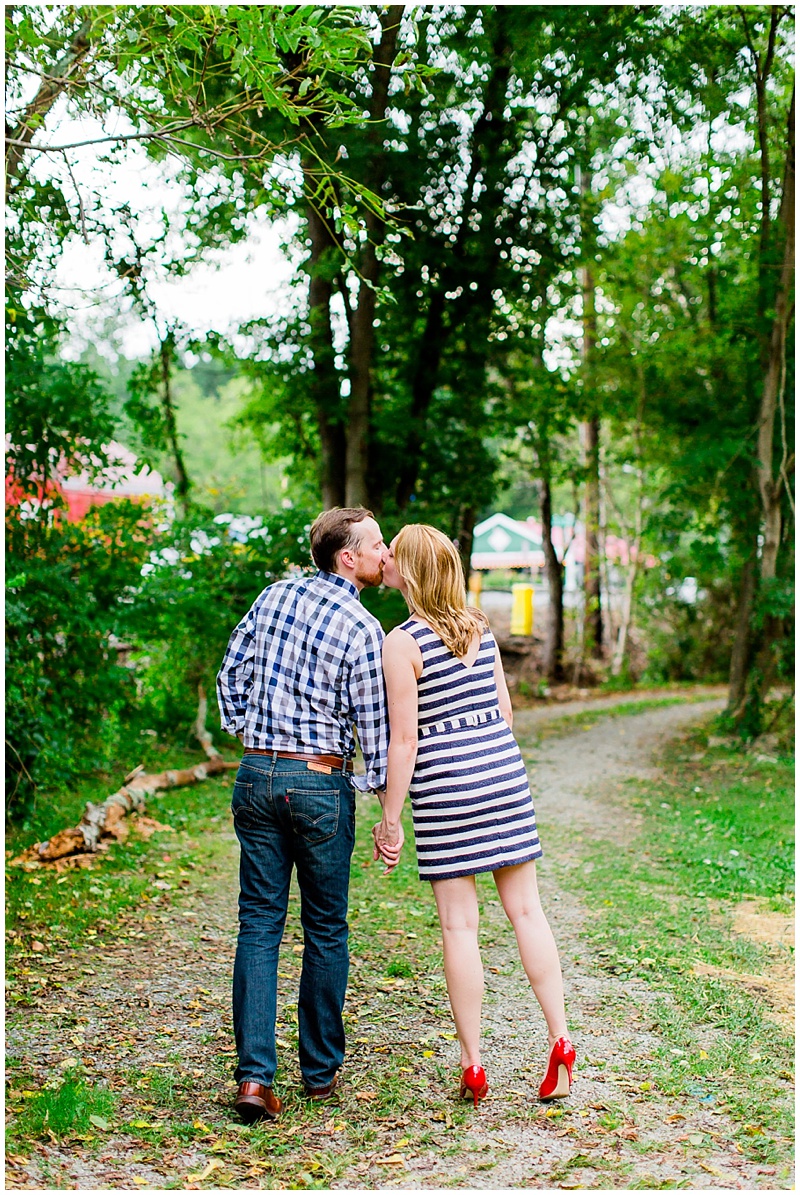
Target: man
{"points": [[301, 672]]}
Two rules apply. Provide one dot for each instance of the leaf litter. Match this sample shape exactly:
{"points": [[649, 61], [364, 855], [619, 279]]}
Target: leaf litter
{"points": [[161, 1042]]}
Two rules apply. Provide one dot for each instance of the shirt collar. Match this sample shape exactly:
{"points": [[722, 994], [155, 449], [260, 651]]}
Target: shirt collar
{"points": [[335, 579]]}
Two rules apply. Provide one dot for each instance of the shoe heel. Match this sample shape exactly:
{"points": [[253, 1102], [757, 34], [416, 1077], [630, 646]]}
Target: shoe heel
{"points": [[557, 1083], [473, 1083], [563, 1085]]}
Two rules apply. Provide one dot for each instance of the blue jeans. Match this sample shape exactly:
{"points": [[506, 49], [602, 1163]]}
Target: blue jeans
{"points": [[287, 816]]}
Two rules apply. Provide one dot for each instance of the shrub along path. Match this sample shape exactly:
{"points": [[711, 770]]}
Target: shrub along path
{"points": [[665, 884]]}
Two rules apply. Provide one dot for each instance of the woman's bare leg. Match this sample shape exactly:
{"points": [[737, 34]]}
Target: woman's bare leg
{"points": [[519, 893], [457, 904]]}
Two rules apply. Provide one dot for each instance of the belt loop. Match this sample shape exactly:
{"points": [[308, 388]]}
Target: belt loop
{"points": [[274, 758], [344, 765]]}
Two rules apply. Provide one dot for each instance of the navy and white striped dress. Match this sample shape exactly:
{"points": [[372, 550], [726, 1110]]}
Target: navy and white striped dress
{"points": [[470, 797]]}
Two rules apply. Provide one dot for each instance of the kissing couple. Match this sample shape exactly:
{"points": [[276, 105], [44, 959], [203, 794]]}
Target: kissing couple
{"points": [[305, 671]]}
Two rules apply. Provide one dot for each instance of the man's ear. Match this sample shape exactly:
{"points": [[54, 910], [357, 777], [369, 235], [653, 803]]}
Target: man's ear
{"points": [[347, 556]]}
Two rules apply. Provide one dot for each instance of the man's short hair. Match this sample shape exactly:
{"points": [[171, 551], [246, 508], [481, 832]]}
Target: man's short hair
{"points": [[334, 530]]}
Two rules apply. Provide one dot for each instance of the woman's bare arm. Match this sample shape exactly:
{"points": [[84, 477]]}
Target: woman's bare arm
{"points": [[402, 665], [502, 688]]}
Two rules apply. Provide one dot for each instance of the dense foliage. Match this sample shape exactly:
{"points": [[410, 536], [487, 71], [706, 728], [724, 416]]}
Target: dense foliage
{"points": [[122, 619], [543, 242]]}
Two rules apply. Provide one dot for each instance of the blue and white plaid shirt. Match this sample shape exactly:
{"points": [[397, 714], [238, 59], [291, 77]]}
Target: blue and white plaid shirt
{"points": [[302, 669]]}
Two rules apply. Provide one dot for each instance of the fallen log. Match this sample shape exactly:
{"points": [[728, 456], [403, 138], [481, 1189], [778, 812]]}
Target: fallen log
{"points": [[104, 821]]}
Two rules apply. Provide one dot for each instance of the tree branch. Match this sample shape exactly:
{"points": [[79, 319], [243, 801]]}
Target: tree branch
{"points": [[80, 200], [76, 845], [49, 91]]}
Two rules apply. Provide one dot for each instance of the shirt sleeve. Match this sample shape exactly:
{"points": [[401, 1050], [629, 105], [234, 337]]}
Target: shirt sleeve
{"points": [[235, 677], [368, 703]]}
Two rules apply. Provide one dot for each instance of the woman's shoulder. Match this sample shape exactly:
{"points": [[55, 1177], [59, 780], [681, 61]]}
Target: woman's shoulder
{"points": [[403, 637], [401, 651], [415, 627]]}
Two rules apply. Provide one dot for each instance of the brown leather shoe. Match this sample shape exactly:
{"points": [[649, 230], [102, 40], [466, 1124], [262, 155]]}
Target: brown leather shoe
{"points": [[255, 1102], [322, 1093]]}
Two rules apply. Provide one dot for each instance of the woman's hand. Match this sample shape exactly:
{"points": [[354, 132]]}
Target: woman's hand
{"points": [[388, 841]]}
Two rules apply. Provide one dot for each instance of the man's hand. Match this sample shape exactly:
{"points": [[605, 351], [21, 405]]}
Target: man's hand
{"points": [[388, 842]]}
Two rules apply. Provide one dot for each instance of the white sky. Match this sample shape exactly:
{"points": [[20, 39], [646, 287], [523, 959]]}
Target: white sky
{"points": [[245, 281], [240, 282]]}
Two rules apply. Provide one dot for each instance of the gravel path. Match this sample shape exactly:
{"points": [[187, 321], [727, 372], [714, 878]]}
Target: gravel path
{"points": [[575, 779], [178, 973]]}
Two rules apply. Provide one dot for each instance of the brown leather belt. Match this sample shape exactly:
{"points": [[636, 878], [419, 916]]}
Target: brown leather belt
{"points": [[329, 761]]}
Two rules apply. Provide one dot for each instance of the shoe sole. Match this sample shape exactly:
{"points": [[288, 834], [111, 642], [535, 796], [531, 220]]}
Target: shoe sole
{"points": [[250, 1113], [322, 1096]]}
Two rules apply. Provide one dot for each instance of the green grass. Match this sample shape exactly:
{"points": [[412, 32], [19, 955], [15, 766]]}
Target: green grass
{"points": [[67, 1108], [396, 997], [88, 907], [655, 910], [717, 829]]}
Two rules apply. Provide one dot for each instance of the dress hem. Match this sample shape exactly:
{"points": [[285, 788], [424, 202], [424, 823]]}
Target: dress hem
{"points": [[476, 871]]}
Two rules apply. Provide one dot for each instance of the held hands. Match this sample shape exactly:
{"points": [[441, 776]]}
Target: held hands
{"points": [[388, 840]]}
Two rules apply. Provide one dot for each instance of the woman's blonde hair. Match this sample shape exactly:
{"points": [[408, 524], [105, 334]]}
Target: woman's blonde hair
{"points": [[431, 568]]}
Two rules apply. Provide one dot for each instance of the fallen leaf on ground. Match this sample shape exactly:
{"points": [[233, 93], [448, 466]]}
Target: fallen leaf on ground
{"points": [[392, 1160], [214, 1164]]}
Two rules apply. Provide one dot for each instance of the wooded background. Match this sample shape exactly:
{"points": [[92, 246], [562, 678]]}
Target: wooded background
{"points": [[545, 255]]}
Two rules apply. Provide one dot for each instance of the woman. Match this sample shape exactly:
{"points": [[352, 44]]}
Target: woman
{"points": [[452, 748]]}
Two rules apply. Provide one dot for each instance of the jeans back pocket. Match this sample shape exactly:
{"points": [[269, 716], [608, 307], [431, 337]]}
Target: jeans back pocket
{"points": [[314, 812]]}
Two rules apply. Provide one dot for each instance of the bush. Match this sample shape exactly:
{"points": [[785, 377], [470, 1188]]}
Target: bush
{"points": [[199, 583], [69, 588], [387, 605]]}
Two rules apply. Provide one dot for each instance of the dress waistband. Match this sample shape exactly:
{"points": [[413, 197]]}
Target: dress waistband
{"points": [[459, 723]]}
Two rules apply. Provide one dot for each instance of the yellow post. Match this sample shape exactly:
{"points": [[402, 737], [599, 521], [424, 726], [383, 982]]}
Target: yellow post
{"points": [[522, 609], [474, 589]]}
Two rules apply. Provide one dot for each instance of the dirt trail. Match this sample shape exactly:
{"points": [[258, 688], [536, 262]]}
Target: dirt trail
{"points": [[178, 974], [574, 780]]}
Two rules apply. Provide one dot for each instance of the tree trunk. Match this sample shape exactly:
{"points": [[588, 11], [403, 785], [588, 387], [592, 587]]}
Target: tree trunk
{"points": [[634, 541], [58, 79], [740, 654], [593, 616], [621, 646], [770, 483], [488, 161], [463, 538], [762, 68], [770, 486], [183, 485], [553, 663], [626, 617], [323, 380], [362, 328], [590, 445], [76, 845]]}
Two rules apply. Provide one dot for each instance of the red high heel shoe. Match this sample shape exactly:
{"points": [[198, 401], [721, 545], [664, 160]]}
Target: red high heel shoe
{"points": [[557, 1082], [473, 1082]]}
